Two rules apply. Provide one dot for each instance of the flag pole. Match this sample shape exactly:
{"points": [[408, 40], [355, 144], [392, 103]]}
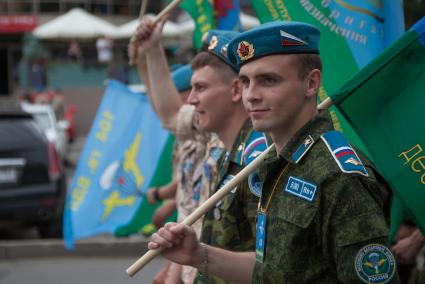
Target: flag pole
{"points": [[143, 7], [155, 21], [325, 104], [203, 208], [133, 53]]}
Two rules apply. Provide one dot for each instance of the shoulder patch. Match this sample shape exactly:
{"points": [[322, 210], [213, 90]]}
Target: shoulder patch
{"points": [[302, 149], [375, 263], [255, 145], [255, 184], [343, 153]]}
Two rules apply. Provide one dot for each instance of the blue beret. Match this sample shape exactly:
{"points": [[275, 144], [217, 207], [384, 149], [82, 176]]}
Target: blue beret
{"points": [[273, 38], [216, 42], [206, 37], [181, 78]]}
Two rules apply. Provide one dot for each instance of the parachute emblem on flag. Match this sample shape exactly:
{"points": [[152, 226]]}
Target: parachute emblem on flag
{"points": [[290, 40], [213, 43], [245, 50]]}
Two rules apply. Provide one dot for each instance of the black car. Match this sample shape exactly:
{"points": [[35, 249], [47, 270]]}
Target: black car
{"points": [[32, 183]]}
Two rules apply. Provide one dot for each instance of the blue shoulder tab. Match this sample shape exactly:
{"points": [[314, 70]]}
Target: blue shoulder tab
{"points": [[343, 153], [254, 146], [302, 149]]}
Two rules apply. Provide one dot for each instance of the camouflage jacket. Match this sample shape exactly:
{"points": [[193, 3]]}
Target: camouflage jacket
{"points": [[231, 224], [325, 223]]}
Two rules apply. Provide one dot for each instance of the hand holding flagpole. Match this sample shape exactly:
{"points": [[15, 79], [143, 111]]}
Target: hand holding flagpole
{"points": [[156, 20], [204, 208]]}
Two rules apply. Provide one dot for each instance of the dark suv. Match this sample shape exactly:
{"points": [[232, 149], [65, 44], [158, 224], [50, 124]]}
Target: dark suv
{"points": [[32, 183]]}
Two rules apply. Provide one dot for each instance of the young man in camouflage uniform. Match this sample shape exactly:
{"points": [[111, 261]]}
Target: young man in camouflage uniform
{"points": [[216, 108], [323, 214]]}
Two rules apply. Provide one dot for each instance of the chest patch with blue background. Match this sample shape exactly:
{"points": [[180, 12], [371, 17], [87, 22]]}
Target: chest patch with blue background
{"points": [[301, 188]]}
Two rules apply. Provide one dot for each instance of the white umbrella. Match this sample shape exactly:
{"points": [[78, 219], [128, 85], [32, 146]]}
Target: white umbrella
{"points": [[184, 28], [247, 21], [171, 29], [77, 23]]}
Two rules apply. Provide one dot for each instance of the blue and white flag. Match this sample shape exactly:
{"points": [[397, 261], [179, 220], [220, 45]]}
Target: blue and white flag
{"points": [[116, 165]]}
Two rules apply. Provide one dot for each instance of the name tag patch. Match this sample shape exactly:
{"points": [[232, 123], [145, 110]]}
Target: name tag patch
{"points": [[301, 188]]}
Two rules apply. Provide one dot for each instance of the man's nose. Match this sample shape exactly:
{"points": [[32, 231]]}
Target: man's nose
{"points": [[251, 93], [193, 98]]}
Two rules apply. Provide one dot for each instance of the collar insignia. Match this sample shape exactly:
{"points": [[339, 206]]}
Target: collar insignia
{"points": [[245, 50], [307, 141], [302, 149]]}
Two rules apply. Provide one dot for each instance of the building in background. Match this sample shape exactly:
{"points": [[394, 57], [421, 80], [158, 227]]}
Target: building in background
{"points": [[18, 17]]}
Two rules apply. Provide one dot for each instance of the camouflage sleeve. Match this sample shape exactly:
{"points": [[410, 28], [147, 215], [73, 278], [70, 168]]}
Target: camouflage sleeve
{"points": [[358, 234]]}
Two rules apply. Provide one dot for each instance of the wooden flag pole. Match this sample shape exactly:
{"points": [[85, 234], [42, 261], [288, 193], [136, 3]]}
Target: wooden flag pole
{"points": [[204, 208], [155, 21], [166, 10], [143, 7], [325, 104]]}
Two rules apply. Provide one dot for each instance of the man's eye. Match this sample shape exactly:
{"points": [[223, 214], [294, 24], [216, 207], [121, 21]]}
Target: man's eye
{"points": [[268, 81], [245, 83]]}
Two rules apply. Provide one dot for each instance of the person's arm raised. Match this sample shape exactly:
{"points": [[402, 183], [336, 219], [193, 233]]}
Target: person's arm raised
{"points": [[163, 93]]}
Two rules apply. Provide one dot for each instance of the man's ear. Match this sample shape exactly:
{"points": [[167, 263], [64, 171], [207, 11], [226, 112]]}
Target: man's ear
{"points": [[236, 90], [314, 81]]}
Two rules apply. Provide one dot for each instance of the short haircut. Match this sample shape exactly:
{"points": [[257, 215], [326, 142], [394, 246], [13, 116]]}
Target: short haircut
{"points": [[306, 63], [205, 58]]}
